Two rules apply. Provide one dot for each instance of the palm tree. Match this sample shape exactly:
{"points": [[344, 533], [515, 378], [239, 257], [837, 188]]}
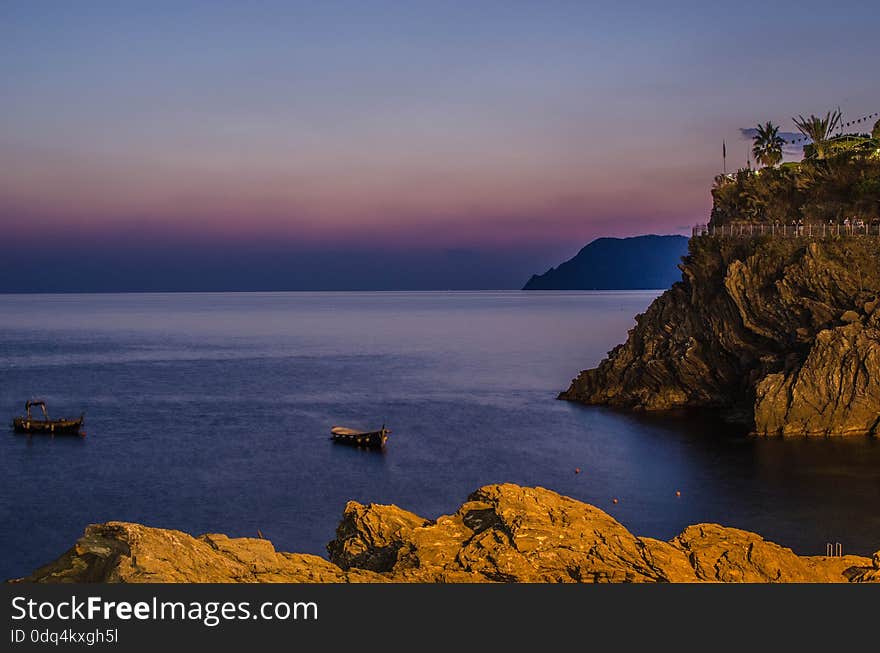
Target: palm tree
{"points": [[818, 129], [767, 149]]}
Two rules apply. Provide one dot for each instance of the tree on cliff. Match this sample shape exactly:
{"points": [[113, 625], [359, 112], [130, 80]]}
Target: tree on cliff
{"points": [[767, 148], [819, 129], [844, 184], [875, 133]]}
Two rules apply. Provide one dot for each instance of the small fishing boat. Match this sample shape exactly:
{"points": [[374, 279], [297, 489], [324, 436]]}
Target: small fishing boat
{"points": [[355, 438], [33, 424]]}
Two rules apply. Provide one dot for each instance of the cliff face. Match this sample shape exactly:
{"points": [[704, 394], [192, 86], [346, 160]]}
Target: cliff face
{"points": [[781, 333], [503, 533]]}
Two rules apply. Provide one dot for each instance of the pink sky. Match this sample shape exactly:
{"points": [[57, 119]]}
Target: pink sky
{"points": [[499, 126]]}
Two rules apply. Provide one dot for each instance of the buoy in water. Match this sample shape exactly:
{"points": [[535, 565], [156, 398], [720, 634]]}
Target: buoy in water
{"points": [[577, 470], [678, 493], [614, 501]]}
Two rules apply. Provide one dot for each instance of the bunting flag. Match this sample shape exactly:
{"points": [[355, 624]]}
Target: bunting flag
{"points": [[865, 118]]}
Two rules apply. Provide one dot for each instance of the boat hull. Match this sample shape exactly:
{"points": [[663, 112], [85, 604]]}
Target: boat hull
{"points": [[49, 427], [366, 440]]}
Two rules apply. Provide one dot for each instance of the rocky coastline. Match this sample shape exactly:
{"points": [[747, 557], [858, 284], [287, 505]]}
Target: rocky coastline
{"points": [[502, 533], [781, 334]]}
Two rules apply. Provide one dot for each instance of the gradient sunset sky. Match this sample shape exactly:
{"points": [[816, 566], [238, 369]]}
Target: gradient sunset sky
{"points": [[232, 145]]}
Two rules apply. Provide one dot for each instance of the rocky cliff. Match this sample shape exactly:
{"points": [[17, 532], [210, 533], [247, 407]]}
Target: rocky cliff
{"points": [[781, 333], [502, 533]]}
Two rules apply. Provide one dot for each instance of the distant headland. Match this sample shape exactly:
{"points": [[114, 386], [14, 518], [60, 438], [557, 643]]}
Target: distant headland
{"points": [[637, 263]]}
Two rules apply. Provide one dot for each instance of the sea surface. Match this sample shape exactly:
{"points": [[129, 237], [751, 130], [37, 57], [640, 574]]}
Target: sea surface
{"points": [[211, 413]]}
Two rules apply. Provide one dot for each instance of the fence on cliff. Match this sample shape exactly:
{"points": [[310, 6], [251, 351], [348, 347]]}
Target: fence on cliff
{"points": [[793, 230]]}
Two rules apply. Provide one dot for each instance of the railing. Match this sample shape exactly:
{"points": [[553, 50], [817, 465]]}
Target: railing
{"points": [[833, 550], [793, 230]]}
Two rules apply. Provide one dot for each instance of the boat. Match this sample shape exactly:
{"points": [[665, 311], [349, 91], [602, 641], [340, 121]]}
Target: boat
{"points": [[355, 438], [33, 424]]}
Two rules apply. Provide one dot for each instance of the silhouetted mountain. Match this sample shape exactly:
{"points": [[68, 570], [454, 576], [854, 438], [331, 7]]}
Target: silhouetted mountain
{"points": [[642, 262]]}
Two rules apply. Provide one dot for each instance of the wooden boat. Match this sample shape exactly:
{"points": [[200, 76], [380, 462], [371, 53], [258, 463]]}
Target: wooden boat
{"points": [[31, 424], [367, 439]]}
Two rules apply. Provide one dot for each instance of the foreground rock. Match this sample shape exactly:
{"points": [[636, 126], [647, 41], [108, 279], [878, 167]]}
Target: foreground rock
{"points": [[782, 334], [503, 533]]}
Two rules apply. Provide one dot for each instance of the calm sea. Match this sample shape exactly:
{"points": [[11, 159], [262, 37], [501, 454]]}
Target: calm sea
{"points": [[211, 412]]}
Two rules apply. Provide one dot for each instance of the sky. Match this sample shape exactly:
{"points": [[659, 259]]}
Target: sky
{"points": [[385, 145]]}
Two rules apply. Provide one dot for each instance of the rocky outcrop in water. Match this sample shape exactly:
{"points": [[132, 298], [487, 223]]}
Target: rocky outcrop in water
{"points": [[781, 333], [502, 533]]}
